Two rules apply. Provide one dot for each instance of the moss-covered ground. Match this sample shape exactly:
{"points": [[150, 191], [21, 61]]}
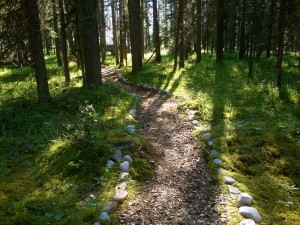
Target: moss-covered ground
{"points": [[52, 156], [256, 129]]}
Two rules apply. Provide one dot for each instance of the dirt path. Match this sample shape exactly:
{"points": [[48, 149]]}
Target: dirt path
{"points": [[181, 192]]}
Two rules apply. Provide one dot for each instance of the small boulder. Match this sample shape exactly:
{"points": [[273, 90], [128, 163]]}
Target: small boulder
{"points": [[195, 123], [110, 163], [132, 112], [191, 114], [131, 129], [229, 180], [214, 152], [217, 161], [104, 216], [121, 186], [250, 213], [117, 156], [210, 143], [247, 222], [124, 166], [206, 136], [185, 108], [128, 158], [97, 223], [120, 196], [244, 199], [110, 207], [124, 176], [234, 192], [222, 171]]}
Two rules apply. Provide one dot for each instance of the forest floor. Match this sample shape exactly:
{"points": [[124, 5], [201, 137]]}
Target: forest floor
{"points": [[181, 191]]}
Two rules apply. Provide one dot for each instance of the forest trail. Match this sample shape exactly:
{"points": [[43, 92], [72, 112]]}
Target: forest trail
{"points": [[181, 191]]}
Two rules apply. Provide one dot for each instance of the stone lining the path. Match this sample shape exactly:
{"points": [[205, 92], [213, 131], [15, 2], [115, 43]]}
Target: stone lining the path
{"points": [[124, 165], [244, 200]]}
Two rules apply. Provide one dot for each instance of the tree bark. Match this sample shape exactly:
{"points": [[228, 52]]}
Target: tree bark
{"points": [[64, 46], [198, 31], [156, 33], [115, 38], [243, 31], [91, 48], [270, 28], [102, 32], [220, 31], [280, 43], [36, 45], [135, 34]]}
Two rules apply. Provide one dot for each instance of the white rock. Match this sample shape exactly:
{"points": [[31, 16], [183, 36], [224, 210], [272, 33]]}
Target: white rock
{"points": [[110, 207], [191, 114], [121, 186], [214, 152], [120, 196], [250, 213], [124, 166], [210, 143], [117, 156], [233, 191], [185, 108], [222, 171], [110, 163], [104, 216], [124, 176], [131, 129], [128, 158], [206, 136], [97, 223], [164, 91], [217, 161], [247, 222], [229, 180], [195, 123], [132, 112], [244, 199]]}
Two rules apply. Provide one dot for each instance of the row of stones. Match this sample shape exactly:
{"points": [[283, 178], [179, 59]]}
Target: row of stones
{"points": [[124, 164], [244, 200], [141, 85]]}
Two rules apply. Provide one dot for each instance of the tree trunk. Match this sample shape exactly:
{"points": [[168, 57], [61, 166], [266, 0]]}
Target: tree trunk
{"points": [[36, 45], [156, 33], [91, 48], [143, 6], [181, 34], [198, 31], [115, 38], [102, 32], [64, 46], [56, 39], [270, 28], [280, 43], [135, 34], [220, 30], [243, 31]]}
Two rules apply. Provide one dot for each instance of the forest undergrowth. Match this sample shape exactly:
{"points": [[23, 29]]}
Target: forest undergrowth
{"points": [[53, 156], [256, 128]]}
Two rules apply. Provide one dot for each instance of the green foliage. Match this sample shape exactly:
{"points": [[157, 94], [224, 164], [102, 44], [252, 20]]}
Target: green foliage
{"points": [[52, 156], [257, 128]]}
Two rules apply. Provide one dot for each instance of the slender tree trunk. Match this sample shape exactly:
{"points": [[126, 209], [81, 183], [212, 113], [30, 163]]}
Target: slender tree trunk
{"points": [[281, 28], [135, 34], [156, 33], [79, 42], [121, 34], [270, 28], [64, 46], [243, 31], [115, 38], [143, 6], [177, 37], [181, 34], [36, 45], [102, 32], [91, 46], [56, 39], [220, 31], [198, 29]]}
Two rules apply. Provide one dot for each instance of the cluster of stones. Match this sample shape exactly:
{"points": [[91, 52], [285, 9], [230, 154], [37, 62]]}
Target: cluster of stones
{"points": [[244, 200], [124, 164], [140, 85], [120, 189]]}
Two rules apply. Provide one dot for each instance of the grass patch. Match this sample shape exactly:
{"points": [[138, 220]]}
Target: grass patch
{"points": [[52, 156], [256, 130]]}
